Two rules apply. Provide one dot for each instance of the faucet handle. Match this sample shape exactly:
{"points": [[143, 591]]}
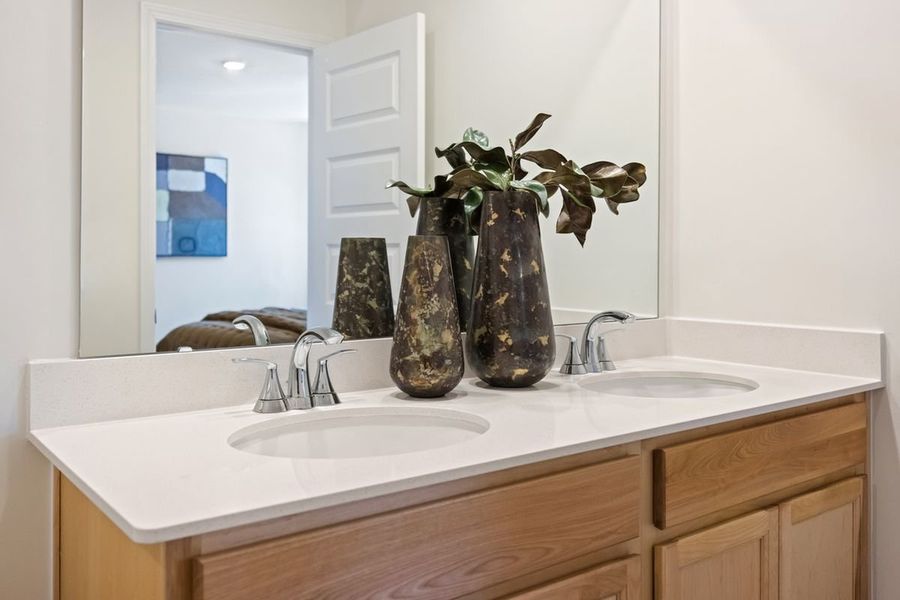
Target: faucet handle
{"points": [[256, 327], [271, 396], [572, 363], [323, 393]]}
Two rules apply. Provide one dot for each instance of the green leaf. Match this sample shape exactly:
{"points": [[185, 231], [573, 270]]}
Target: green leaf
{"points": [[479, 137], [472, 201], [499, 180], [545, 159], [538, 190], [529, 131]]}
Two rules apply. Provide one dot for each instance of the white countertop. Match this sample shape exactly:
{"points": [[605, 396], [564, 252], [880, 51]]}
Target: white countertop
{"points": [[167, 477]]}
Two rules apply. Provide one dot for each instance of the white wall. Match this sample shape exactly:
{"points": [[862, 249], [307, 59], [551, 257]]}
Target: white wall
{"points": [[39, 171], [267, 218], [593, 65], [785, 151], [110, 265]]}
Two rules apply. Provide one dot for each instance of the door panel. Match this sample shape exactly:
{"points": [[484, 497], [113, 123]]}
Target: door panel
{"points": [[820, 543], [367, 115], [737, 560]]}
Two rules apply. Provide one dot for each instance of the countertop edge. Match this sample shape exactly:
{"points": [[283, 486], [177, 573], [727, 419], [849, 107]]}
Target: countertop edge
{"points": [[166, 534]]}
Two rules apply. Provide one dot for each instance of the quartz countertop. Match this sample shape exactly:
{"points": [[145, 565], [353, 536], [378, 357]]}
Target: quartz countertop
{"points": [[167, 477]]}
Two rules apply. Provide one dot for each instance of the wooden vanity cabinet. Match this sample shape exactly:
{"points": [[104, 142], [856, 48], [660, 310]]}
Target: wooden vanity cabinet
{"points": [[768, 507], [778, 507]]}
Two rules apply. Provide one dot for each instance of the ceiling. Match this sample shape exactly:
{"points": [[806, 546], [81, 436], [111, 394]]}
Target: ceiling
{"points": [[189, 75]]}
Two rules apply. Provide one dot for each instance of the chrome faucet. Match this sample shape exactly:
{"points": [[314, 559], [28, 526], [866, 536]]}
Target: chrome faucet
{"points": [[256, 327], [299, 395], [594, 350]]}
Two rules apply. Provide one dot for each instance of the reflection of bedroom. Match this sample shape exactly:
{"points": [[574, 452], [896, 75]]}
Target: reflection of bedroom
{"points": [[231, 220]]}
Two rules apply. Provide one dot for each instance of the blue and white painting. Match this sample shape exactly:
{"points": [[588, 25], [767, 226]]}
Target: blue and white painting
{"points": [[191, 205]]}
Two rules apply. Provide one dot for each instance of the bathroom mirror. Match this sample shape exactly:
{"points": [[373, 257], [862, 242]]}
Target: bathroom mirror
{"points": [[227, 147]]}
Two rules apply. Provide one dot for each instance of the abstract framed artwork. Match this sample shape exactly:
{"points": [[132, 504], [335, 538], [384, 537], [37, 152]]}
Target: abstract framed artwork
{"points": [[191, 205]]}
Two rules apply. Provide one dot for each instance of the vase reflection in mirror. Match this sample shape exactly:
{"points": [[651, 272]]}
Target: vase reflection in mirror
{"points": [[363, 306], [427, 355], [447, 216]]}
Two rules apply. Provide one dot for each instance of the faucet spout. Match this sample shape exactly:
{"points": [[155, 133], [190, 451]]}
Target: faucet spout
{"points": [[594, 350], [299, 388]]}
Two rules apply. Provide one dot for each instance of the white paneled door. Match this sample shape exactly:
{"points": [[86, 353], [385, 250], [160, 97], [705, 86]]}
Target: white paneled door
{"points": [[367, 123]]}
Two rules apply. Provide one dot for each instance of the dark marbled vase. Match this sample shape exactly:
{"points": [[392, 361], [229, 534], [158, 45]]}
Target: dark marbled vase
{"points": [[510, 341], [363, 307], [427, 355], [447, 216]]}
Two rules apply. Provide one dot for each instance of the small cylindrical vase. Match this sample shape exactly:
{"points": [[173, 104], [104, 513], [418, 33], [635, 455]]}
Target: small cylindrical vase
{"points": [[363, 306], [510, 342], [447, 216], [427, 355]]}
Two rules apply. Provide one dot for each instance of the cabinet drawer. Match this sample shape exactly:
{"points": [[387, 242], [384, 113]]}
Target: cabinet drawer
{"points": [[618, 580], [700, 477], [440, 550]]}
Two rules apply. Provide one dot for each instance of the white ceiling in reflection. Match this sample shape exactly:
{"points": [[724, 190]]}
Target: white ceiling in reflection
{"points": [[189, 75]]}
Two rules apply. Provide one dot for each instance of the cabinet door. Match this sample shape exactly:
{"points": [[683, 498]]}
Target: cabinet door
{"points": [[619, 580], [820, 543], [737, 560]]}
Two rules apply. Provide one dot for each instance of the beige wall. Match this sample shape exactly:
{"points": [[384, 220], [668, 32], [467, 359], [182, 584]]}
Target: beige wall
{"points": [[39, 136], [111, 258], [785, 152], [593, 65]]}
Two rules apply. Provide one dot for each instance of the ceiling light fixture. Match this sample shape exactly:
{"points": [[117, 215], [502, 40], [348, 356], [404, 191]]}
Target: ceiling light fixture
{"points": [[234, 65]]}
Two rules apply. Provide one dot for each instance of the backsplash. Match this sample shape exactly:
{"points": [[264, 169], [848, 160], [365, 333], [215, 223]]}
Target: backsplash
{"points": [[71, 392]]}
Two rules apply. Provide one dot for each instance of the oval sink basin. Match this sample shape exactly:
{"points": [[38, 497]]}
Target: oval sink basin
{"points": [[358, 432], [668, 384]]}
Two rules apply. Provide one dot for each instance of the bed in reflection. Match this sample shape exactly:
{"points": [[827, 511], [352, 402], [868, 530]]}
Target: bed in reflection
{"points": [[217, 331]]}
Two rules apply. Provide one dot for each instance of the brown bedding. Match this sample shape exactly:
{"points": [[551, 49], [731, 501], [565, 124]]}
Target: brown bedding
{"points": [[216, 331]]}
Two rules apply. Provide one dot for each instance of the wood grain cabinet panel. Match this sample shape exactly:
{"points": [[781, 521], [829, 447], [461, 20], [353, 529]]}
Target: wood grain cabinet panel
{"points": [[820, 543], [737, 560], [618, 580], [441, 550], [703, 476]]}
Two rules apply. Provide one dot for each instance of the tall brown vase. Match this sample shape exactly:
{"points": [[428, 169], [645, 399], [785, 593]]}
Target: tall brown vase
{"points": [[510, 341], [427, 355], [447, 216], [363, 306]]}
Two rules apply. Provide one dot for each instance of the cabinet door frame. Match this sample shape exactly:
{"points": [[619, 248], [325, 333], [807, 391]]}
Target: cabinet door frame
{"points": [[619, 579], [760, 526], [802, 508]]}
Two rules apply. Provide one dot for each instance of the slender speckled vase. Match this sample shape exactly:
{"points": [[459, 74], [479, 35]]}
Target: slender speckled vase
{"points": [[427, 355], [363, 307], [510, 341], [447, 216]]}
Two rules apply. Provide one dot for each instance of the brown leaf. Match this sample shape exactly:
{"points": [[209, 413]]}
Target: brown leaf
{"points": [[636, 171], [545, 159], [529, 132], [574, 218], [469, 178]]}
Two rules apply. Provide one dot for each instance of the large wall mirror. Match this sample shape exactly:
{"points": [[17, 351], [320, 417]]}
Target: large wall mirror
{"points": [[229, 147]]}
